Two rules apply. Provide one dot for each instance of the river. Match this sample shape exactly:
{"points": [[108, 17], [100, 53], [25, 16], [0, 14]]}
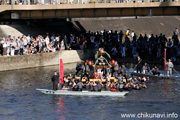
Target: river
{"points": [[19, 99]]}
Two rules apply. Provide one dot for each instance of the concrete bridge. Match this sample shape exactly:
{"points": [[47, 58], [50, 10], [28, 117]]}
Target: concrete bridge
{"points": [[133, 8]]}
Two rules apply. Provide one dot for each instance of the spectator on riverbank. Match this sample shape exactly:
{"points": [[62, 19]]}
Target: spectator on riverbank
{"points": [[131, 45], [114, 53], [176, 31]]}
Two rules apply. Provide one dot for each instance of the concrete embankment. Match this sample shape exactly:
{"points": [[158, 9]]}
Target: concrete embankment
{"points": [[43, 59], [148, 25]]}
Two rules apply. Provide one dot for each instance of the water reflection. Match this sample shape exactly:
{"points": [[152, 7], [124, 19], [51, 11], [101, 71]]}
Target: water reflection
{"points": [[30, 77], [166, 87], [62, 111]]}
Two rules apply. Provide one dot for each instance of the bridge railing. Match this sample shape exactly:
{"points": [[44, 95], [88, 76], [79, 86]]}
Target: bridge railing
{"points": [[48, 2]]}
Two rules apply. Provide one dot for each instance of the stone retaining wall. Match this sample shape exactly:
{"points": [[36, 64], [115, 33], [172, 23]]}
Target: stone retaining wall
{"points": [[43, 59]]}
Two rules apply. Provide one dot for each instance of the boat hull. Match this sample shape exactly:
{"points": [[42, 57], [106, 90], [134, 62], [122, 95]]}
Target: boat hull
{"points": [[82, 93], [154, 76]]}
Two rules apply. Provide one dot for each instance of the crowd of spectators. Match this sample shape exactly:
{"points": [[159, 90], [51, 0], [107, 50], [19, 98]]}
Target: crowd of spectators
{"points": [[30, 45], [117, 44]]}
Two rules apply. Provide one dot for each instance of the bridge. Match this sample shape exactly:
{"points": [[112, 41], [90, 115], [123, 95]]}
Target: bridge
{"points": [[90, 9]]}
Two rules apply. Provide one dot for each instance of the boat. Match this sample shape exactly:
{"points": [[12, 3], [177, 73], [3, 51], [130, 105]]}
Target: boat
{"points": [[161, 76], [83, 93], [100, 62]]}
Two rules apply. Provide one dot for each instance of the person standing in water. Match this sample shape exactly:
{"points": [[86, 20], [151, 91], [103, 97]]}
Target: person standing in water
{"points": [[170, 66], [55, 81]]}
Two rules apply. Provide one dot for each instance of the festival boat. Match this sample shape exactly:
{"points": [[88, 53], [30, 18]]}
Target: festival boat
{"points": [[161, 76], [98, 65], [83, 93]]}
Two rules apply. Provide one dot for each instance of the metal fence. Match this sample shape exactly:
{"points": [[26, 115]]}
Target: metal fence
{"points": [[47, 2]]}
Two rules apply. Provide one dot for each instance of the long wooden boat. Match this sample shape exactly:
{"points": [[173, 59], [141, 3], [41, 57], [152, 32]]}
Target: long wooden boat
{"points": [[83, 93], [162, 76]]}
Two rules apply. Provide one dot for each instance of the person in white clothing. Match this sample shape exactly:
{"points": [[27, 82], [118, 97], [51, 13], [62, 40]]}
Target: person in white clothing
{"points": [[12, 47], [176, 31], [25, 42], [62, 45], [47, 40], [170, 66], [8, 46], [132, 34]]}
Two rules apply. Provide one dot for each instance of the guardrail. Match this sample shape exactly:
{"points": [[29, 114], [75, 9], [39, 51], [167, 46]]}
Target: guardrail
{"points": [[48, 2]]}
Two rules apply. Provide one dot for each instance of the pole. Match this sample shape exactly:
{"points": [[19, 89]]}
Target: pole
{"points": [[165, 67], [164, 61], [137, 64], [59, 70], [176, 72]]}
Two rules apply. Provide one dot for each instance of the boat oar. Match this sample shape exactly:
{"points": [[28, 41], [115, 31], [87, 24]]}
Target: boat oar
{"points": [[176, 72], [134, 67], [137, 64]]}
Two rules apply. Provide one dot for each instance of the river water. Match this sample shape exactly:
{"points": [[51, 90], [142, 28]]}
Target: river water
{"points": [[19, 99]]}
